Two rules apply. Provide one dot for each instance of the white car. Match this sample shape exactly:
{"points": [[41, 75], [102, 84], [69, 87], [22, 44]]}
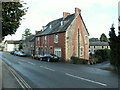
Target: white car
{"points": [[38, 56], [16, 52], [22, 54]]}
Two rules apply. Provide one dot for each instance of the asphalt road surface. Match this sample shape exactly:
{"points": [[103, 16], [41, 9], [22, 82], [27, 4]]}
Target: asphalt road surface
{"points": [[42, 74]]}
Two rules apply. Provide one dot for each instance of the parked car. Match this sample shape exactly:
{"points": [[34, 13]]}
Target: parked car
{"points": [[15, 52], [12, 52], [50, 57], [22, 54], [38, 56]]}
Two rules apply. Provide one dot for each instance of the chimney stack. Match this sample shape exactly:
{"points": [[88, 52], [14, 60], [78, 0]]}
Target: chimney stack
{"points": [[77, 11], [36, 32], [65, 14]]}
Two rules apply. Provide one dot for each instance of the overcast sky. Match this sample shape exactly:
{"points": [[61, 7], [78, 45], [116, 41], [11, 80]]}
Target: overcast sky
{"points": [[98, 15]]}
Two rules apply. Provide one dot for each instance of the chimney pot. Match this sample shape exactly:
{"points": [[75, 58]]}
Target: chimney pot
{"points": [[77, 11], [36, 32]]}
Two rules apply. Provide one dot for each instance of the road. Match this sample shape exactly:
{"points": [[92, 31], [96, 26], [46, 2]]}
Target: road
{"points": [[41, 74]]}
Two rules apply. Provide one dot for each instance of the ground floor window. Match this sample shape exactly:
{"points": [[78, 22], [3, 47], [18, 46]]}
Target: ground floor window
{"points": [[57, 51]]}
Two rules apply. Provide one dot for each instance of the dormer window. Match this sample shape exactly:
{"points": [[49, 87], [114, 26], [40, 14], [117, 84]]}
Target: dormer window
{"points": [[50, 26], [44, 27], [61, 23]]}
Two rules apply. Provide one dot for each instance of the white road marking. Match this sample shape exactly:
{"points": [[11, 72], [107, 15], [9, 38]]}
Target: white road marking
{"points": [[23, 60], [19, 79], [31, 63], [47, 68], [86, 79]]}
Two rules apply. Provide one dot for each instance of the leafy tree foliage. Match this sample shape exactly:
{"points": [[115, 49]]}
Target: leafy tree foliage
{"points": [[26, 33], [115, 48], [12, 13], [20, 46], [103, 38]]}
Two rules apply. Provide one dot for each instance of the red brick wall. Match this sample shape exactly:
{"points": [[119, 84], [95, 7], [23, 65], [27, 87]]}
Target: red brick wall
{"points": [[50, 42]]}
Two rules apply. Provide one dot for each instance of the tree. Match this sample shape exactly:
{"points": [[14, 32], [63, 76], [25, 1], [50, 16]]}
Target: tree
{"points": [[103, 38], [12, 13], [115, 49], [20, 46], [26, 33]]}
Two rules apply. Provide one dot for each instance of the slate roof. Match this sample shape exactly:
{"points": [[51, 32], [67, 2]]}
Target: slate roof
{"points": [[56, 26], [99, 44], [13, 41], [32, 38], [28, 38]]}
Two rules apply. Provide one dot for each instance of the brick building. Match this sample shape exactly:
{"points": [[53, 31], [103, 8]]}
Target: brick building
{"points": [[65, 37]]}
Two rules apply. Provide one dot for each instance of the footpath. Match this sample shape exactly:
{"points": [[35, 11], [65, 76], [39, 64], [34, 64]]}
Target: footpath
{"points": [[7, 80]]}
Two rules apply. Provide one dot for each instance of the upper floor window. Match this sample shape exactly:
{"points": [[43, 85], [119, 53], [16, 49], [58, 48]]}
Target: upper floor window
{"points": [[56, 38], [45, 39], [81, 51], [38, 40], [86, 39]]}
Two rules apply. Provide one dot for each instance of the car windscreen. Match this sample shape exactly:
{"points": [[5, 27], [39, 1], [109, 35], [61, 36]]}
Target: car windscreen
{"points": [[47, 55]]}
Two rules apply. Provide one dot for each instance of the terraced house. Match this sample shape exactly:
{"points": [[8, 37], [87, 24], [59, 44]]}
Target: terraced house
{"points": [[65, 37]]}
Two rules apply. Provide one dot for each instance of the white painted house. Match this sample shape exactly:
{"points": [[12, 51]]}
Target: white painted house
{"points": [[11, 45]]}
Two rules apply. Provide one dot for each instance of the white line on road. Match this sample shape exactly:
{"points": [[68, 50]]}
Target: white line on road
{"points": [[19, 79], [47, 68], [86, 79], [31, 63], [23, 60]]}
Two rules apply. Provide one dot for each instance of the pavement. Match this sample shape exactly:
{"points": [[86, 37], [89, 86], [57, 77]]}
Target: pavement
{"points": [[0, 74], [105, 64], [7, 80]]}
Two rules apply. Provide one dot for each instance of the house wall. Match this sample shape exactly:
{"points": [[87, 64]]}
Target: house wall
{"points": [[32, 48], [50, 45], [27, 47], [94, 48], [11, 47], [16, 46], [77, 42]]}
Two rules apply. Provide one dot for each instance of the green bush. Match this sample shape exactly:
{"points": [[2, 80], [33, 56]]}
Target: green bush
{"points": [[102, 54], [93, 60], [77, 60]]}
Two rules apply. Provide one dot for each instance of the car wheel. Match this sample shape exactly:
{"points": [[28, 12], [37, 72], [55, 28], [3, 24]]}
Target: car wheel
{"points": [[40, 59], [48, 59]]}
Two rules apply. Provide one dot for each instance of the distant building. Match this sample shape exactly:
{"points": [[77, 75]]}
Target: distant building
{"points": [[32, 46], [27, 44], [11, 45], [94, 40], [93, 46], [2, 46], [65, 37]]}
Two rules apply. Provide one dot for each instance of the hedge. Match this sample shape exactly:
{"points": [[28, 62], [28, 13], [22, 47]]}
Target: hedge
{"points": [[77, 60]]}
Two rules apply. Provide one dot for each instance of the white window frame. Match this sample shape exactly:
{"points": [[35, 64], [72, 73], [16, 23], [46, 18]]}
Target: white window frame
{"points": [[45, 39], [58, 52], [56, 38]]}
